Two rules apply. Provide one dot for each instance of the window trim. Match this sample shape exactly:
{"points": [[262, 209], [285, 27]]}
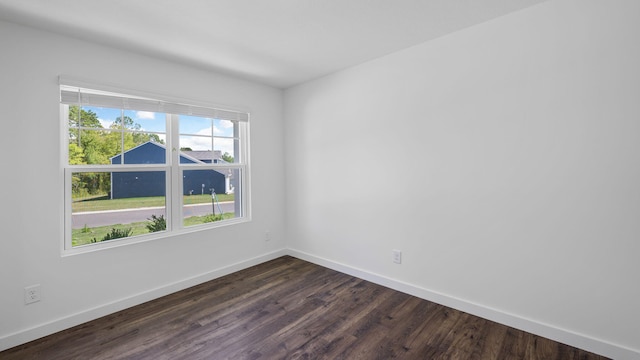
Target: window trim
{"points": [[173, 169]]}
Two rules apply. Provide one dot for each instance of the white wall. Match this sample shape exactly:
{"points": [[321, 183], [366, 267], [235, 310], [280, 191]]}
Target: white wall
{"points": [[503, 160], [81, 287]]}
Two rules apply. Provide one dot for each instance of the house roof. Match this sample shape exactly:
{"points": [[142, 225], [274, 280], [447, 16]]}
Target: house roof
{"points": [[198, 157], [160, 145], [204, 155]]}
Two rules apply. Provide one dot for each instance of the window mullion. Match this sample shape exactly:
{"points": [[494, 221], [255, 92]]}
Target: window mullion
{"points": [[237, 183], [175, 185], [122, 160]]}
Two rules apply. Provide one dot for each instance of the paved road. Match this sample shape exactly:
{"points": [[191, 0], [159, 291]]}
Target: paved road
{"points": [[104, 218]]}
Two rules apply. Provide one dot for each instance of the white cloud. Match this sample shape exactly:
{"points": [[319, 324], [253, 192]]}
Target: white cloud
{"points": [[145, 115], [205, 131], [204, 143], [105, 123], [196, 143]]}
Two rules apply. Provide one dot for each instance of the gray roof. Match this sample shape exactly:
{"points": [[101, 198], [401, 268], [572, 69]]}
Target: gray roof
{"points": [[204, 155]]}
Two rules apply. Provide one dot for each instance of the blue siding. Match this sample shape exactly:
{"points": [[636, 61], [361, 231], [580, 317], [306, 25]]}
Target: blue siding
{"points": [[137, 184], [192, 181], [152, 183], [147, 153]]}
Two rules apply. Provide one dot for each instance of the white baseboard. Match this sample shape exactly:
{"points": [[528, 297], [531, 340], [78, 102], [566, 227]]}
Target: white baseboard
{"points": [[545, 330], [36, 332], [557, 334]]}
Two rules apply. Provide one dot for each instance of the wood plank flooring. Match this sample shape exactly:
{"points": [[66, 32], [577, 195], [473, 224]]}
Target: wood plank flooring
{"points": [[291, 309]]}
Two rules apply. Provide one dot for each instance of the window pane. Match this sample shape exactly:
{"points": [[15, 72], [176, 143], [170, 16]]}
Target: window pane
{"points": [[89, 147], [226, 148], [210, 195], [146, 122], [223, 128], [196, 139], [226, 139], [83, 117], [195, 143], [107, 205], [209, 141], [106, 136], [195, 125], [149, 152]]}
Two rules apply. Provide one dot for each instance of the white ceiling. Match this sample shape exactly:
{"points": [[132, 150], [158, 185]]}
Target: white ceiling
{"points": [[275, 42]]}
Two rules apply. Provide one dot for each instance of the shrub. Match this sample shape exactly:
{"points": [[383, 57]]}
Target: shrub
{"points": [[212, 218], [115, 234], [157, 223]]}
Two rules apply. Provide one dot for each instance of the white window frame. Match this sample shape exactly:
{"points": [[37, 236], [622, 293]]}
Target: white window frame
{"points": [[172, 168]]}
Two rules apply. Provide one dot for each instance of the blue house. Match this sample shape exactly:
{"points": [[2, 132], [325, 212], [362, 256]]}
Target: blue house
{"points": [[152, 183]]}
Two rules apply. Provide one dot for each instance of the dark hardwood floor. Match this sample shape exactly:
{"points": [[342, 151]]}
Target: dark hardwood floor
{"points": [[291, 309]]}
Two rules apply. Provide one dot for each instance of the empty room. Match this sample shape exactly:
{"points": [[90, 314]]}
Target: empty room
{"points": [[353, 179]]}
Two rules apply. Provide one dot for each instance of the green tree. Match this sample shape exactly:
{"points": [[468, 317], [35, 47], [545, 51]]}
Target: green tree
{"points": [[76, 154], [227, 157], [85, 141], [82, 117], [128, 123], [142, 137], [94, 145], [86, 146], [135, 135], [91, 143]]}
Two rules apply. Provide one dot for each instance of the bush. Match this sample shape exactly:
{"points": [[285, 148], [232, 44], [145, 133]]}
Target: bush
{"points": [[115, 234], [212, 218], [157, 223]]}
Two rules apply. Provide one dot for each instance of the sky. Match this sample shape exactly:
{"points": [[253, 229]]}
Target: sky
{"points": [[190, 128]]}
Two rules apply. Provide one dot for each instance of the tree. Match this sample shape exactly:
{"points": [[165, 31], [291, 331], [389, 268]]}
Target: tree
{"points": [[86, 146], [128, 123], [227, 157], [79, 117], [76, 154], [82, 117], [142, 137], [91, 143], [137, 136]]}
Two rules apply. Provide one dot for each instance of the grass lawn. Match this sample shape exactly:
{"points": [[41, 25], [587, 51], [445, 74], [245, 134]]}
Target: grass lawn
{"points": [[86, 235], [103, 203]]}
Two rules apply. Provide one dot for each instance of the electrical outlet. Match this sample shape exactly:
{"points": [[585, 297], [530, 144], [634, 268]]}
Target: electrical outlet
{"points": [[397, 256], [32, 294], [267, 236]]}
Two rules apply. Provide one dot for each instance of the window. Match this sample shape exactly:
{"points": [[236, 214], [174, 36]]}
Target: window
{"points": [[142, 167]]}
